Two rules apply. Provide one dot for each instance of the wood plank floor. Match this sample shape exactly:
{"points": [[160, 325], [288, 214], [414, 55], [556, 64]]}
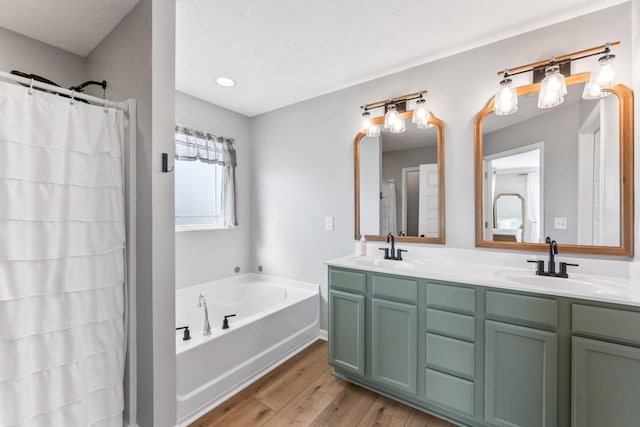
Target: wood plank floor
{"points": [[304, 392]]}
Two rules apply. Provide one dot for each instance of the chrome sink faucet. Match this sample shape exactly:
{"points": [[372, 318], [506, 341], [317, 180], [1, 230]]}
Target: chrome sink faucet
{"points": [[202, 302]]}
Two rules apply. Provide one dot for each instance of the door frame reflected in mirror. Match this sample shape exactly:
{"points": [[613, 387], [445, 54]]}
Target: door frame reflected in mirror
{"points": [[439, 127], [625, 98]]}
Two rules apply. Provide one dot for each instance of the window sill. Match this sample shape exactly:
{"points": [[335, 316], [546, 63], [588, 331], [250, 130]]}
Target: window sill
{"points": [[181, 228]]}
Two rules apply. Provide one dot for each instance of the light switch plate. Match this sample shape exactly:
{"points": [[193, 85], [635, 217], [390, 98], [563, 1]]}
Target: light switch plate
{"points": [[328, 223], [560, 223]]}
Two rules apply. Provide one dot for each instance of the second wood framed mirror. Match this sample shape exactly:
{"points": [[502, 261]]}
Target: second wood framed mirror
{"points": [[399, 183], [572, 165]]}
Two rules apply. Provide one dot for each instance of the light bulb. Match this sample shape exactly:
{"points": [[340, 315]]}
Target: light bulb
{"points": [[423, 123], [399, 126], [391, 117], [374, 130], [506, 101], [552, 89], [365, 122], [603, 78], [606, 76], [420, 112]]}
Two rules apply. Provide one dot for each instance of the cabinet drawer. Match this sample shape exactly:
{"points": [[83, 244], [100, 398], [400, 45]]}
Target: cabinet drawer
{"points": [[451, 297], [392, 287], [451, 324], [450, 391], [542, 311], [452, 355], [606, 323], [347, 280]]}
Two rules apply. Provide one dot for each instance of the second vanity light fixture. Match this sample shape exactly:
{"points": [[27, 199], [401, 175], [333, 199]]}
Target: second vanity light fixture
{"points": [[392, 118], [553, 87]]}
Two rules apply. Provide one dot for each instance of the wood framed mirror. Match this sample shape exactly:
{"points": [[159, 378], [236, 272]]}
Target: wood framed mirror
{"points": [[399, 183], [572, 164]]}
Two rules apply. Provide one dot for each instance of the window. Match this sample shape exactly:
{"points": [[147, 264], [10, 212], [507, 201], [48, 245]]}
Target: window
{"points": [[205, 186]]}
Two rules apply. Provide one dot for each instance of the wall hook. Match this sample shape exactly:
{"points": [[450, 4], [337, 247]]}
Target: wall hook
{"points": [[165, 163]]}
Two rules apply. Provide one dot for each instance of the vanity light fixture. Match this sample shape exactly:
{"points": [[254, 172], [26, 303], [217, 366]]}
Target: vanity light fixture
{"points": [[395, 114], [604, 78], [506, 99], [553, 87], [391, 117], [365, 123], [421, 115]]}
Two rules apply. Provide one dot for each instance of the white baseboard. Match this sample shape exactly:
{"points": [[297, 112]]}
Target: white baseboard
{"points": [[323, 334]]}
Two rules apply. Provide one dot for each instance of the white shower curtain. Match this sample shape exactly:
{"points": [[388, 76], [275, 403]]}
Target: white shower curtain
{"points": [[389, 224], [62, 237]]}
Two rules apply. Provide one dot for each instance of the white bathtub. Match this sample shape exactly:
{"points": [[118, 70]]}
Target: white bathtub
{"points": [[275, 319]]}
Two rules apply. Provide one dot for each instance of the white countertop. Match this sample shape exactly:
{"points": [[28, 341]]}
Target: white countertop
{"points": [[581, 286]]}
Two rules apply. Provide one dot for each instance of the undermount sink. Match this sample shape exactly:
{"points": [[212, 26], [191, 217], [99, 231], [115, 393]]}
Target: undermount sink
{"points": [[527, 278], [383, 263]]}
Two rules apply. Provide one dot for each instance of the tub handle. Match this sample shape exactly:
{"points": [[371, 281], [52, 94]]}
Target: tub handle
{"points": [[187, 335], [225, 322]]}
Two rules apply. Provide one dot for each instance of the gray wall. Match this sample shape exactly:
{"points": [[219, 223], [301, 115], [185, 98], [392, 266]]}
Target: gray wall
{"points": [[558, 130], [212, 254], [303, 157], [137, 59], [394, 161], [30, 56]]}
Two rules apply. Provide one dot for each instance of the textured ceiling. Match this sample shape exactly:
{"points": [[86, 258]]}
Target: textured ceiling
{"points": [[76, 26], [284, 51]]}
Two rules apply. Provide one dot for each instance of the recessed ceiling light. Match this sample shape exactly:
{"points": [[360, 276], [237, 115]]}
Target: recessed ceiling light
{"points": [[225, 81]]}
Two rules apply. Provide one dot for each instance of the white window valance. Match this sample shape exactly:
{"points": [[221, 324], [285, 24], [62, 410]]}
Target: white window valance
{"points": [[194, 145]]}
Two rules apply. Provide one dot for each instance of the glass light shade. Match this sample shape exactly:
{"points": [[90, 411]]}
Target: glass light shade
{"points": [[423, 123], [506, 101], [399, 126], [552, 89], [420, 112], [391, 117], [365, 122], [374, 130], [603, 78]]}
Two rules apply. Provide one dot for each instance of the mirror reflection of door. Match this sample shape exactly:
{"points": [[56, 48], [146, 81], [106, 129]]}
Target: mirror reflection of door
{"points": [[518, 173], [598, 172], [420, 200]]}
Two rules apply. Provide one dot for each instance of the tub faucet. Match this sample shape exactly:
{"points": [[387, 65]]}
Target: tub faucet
{"points": [[202, 302]]}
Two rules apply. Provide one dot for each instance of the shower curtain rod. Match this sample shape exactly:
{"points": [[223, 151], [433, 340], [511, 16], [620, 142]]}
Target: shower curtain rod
{"points": [[76, 95]]}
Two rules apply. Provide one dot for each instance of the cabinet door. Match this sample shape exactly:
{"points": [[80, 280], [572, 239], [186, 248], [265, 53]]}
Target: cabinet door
{"points": [[394, 344], [346, 331], [520, 376], [605, 384]]}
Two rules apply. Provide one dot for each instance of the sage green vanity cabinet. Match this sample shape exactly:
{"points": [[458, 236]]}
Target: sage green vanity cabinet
{"points": [[606, 384], [486, 356], [394, 341], [520, 375], [605, 375], [346, 329]]}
